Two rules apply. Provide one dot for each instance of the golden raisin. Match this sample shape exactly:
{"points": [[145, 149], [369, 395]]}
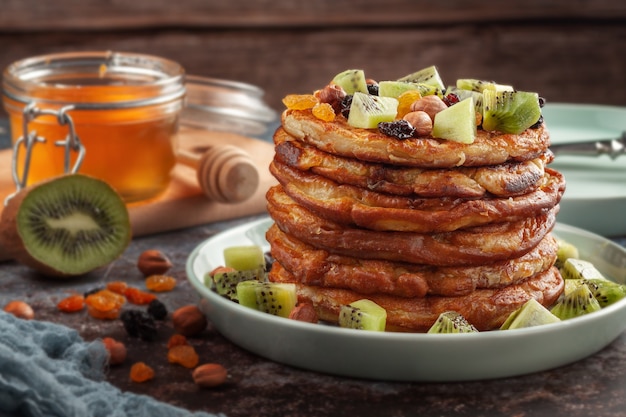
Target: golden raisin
{"points": [[72, 303], [176, 340], [184, 355], [160, 283], [117, 287], [300, 101], [104, 304], [324, 111], [137, 296], [405, 100], [140, 372]]}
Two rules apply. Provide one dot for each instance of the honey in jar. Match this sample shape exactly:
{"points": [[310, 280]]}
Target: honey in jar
{"points": [[124, 109]]}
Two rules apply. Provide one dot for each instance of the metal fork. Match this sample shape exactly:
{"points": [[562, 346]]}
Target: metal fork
{"points": [[611, 147]]}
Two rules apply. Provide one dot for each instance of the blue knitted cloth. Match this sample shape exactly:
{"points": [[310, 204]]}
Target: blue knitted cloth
{"points": [[48, 370]]}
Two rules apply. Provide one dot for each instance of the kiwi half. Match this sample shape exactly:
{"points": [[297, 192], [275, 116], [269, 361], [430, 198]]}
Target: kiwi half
{"points": [[66, 226], [452, 322]]}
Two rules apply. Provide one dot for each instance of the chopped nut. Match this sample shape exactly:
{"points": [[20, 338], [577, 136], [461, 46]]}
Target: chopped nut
{"points": [[209, 375], [153, 262], [429, 104], [304, 312], [331, 94], [189, 321], [117, 350], [420, 121], [20, 309]]}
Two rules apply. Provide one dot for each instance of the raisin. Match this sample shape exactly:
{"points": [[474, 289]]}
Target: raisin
{"points": [[450, 99], [269, 261], [405, 100], [157, 310], [140, 372], [372, 89], [139, 324], [345, 105], [72, 304], [300, 101], [538, 123], [176, 340], [184, 355], [137, 296], [324, 111], [160, 283], [104, 304], [117, 287], [400, 129]]}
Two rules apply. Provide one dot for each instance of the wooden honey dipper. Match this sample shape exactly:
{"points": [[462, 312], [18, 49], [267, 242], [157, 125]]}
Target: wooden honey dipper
{"points": [[225, 172]]}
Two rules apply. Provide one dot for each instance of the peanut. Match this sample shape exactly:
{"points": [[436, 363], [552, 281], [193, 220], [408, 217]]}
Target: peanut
{"points": [[189, 321], [209, 375]]}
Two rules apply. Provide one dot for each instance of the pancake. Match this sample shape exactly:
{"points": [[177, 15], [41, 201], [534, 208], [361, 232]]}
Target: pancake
{"points": [[356, 206], [486, 309], [310, 266], [339, 138], [504, 180], [472, 246]]}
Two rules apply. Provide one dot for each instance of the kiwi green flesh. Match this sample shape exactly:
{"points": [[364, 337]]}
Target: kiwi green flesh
{"points": [[510, 111], [226, 282], [532, 313], [268, 297], [451, 322], [73, 224], [363, 315], [578, 302], [244, 257]]}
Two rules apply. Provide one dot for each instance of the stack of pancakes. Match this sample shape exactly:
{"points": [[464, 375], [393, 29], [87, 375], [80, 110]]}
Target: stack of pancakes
{"points": [[420, 226]]}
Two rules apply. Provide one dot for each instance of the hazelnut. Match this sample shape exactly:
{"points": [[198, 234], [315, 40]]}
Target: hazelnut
{"points": [[20, 309], [421, 122], [331, 94], [304, 312], [153, 262], [209, 375], [117, 350], [189, 321], [430, 104]]}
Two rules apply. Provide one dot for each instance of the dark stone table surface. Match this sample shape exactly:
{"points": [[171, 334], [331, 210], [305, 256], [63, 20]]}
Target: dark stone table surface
{"points": [[595, 386]]}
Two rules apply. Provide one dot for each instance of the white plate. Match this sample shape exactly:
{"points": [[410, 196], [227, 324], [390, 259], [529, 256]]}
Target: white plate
{"points": [[595, 197], [410, 357]]}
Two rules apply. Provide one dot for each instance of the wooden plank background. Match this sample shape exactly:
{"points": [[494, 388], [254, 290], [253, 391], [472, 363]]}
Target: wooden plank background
{"points": [[567, 50]]}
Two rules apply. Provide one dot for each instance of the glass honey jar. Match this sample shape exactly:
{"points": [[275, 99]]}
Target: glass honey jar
{"points": [[123, 108]]}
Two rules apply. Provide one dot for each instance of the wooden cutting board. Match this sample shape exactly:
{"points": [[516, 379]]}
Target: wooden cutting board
{"points": [[183, 204]]}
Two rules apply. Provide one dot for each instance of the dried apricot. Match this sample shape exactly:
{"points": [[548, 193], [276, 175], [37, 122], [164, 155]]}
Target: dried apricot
{"points": [[117, 287], [324, 111], [405, 100], [160, 283], [184, 355], [300, 101], [137, 296], [140, 372], [72, 303]]}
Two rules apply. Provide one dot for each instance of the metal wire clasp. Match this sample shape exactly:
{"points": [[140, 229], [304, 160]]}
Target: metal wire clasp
{"points": [[29, 139]]}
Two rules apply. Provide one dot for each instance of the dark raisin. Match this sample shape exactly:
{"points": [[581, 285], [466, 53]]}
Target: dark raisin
{"points": [[345, 105], [139, 324], [538, 123], [400, 129], [269, 261], [450, 99], [157, 310], [372, 89], [542, 101]]}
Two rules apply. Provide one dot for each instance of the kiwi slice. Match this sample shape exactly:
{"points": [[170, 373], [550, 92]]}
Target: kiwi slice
{"points": [[574, 268], [396, 88], [532, 313], [510, 111], [452, 322], [565, 251], [226, 282], [268, 297], [366, 111], [576, 303], [471, 84], [363, 315], [457, 122], [463, 94], [244, 257], [66, 226], [605, 291], [429, 75], [352, 81]]}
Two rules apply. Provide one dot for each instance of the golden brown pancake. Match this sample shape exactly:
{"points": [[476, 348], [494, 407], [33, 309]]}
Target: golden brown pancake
{"points": [[504, 180], [472, 246], [486, 309], [489, 148], [310, 266], [360, 207]]}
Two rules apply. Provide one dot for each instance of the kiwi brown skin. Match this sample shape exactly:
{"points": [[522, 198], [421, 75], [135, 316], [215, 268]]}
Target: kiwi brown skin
{"points": [[14, 245]]}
